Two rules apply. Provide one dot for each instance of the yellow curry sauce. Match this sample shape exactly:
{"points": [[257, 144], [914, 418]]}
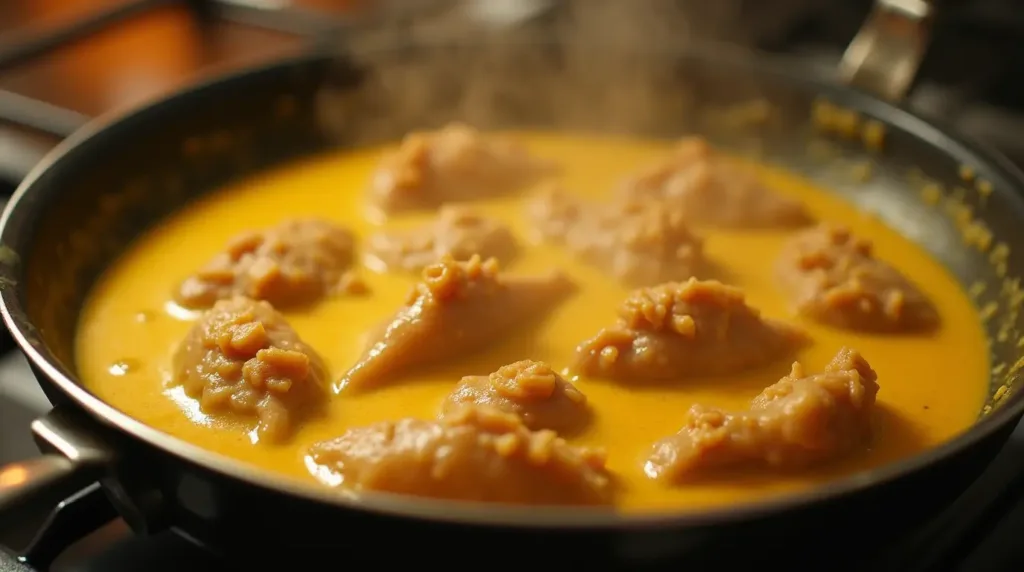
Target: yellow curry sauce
{"points": [[932, 385]]}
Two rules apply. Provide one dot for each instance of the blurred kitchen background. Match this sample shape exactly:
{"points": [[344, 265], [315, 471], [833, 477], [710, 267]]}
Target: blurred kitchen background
{"points": [[63, 62]]}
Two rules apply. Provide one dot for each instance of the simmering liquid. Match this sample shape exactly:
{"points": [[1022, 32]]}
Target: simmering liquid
{"points": [[932, 385]]}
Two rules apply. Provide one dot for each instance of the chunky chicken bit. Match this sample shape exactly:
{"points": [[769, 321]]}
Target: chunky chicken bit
{"points": [[456, 163], [293, 263], [681, 330], [459, 231], [473, 454], [833, 277], [639, 242], [456, 308], [800, 421], [243, 358], [529, 389], [711, 190]]}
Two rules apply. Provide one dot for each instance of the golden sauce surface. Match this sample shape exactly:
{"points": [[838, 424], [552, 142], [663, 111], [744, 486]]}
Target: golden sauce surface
{"points": [[932, 386]]}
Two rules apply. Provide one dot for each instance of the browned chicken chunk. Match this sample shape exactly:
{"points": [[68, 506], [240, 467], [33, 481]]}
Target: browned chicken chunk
{"points": [[529, 389], [243, 358], [473, 454], [681, 330], [800, 421], [456, 163], [637, 241], [293, 263], [832, 276], [457, 307], [459, 231], [711, 190]]}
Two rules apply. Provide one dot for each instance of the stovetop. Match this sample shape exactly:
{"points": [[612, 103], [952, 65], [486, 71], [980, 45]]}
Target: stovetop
{"points": [[970, 79]]}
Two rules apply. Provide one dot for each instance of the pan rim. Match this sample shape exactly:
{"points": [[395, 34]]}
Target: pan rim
{"points": [[484, 514]]}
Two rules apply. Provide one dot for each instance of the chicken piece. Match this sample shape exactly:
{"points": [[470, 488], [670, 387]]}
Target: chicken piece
{"points": [[682, 330], [459, 231], [636, 241], [457, 308], [456, 163], [474, 454], [711, 190], [832, 277], [242, 358], [529, 389], [293, 263], [800, 421]]}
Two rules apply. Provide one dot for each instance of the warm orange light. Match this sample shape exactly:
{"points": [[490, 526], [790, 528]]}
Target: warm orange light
{"points": [[13, 476]]}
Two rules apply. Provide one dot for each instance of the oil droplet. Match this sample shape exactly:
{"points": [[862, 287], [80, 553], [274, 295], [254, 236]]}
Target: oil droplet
{"points": [[144, 317], [123, 367], [180, 313]]}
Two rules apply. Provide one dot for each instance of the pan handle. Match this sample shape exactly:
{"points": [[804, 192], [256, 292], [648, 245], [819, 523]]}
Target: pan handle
{"points": [[884, 56], [73, 459]]}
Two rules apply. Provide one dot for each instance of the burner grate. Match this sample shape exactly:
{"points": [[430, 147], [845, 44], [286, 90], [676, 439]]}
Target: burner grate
{"points": [[27, 44], [44, 117]]}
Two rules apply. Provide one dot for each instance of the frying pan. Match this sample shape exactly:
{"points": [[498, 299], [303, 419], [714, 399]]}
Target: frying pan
{"points": [[104, 186]]}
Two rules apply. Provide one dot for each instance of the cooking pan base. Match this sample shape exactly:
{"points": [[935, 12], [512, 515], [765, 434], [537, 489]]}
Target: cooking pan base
{"points": [[970, 535]]}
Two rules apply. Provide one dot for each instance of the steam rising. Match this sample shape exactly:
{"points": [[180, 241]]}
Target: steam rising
{"points": [[597, 65]]}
